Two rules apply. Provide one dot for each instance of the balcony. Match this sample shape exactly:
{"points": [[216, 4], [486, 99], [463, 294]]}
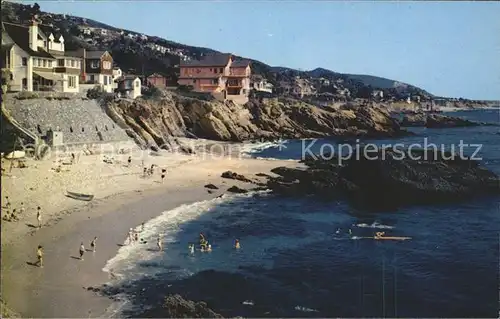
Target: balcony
{"points": [[234, 84]]}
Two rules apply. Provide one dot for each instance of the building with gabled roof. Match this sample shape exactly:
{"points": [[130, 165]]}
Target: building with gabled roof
{"points": [[37, 60], [220, 74]]}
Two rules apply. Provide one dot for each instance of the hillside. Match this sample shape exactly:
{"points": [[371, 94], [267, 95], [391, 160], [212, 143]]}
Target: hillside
{"points": [[143, 54]]}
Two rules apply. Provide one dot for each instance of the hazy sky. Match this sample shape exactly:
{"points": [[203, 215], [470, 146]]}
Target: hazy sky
{"points": [[447, 48]]}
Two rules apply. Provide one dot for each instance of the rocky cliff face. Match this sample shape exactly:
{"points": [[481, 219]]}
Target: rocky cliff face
{"points": [[152, 121]]}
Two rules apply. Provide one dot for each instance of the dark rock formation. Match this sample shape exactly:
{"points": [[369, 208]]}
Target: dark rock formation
{"points": [[177, 307], [432, 120], [211, 186], [233, 175], [403, 178], [414, 119], [442, 121], [237, 190]]}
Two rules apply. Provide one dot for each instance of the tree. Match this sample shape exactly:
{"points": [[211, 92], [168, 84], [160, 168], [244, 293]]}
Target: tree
{"points": [[35, 9]]}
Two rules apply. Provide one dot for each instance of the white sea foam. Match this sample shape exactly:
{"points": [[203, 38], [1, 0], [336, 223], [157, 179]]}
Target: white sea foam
{"points": [[167, 224], [248, 149], [305, 309], [248, 303], [374, 225]]}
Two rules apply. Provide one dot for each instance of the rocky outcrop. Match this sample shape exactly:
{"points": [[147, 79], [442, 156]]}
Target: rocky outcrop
{"points": [[154, 120], [432, 120], [177, 307], [402, 178], [414, 119], [237, 190], [236, 176], [443, 121]]}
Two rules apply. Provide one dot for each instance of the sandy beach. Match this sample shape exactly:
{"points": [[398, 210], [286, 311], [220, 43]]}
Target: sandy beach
{"points": [[123, 199]]}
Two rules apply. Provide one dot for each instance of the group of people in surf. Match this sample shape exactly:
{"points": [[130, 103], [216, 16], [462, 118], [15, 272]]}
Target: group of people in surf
{"points": [[205, 246]]}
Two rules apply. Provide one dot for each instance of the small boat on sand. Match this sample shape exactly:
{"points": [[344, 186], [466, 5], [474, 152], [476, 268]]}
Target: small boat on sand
{"points": [[79, 196]]}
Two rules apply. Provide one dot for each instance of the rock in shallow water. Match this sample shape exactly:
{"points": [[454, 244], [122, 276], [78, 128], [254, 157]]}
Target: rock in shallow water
{"points": [[402, 178]]}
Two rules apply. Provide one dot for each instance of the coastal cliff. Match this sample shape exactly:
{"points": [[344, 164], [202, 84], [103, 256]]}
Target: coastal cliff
{"points": [[152, 121]]}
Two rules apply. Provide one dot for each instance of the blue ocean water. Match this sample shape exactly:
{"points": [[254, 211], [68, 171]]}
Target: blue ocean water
{"points": [[297, 259]]}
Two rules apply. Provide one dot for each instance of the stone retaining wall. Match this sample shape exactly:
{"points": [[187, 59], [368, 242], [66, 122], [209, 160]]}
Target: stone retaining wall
{"points": [[79, 120]]}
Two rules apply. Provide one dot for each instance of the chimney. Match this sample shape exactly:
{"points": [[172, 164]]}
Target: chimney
{"points": [[33, 35]]}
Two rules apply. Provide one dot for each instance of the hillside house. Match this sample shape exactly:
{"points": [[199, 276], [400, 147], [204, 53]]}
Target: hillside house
{"points": [[219, 74], [97, 68], [37, 60], [156, 80], [259, 83], [129, 86], [117, 73]]}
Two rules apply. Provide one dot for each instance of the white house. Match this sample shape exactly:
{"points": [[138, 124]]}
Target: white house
{"points": [[129, 86], [37, 60]]}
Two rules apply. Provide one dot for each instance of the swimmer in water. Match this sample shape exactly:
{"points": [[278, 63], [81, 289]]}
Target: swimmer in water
{"points": [[338, 231], [209, 247], [191, 248], [237, 244], [158, 243]]}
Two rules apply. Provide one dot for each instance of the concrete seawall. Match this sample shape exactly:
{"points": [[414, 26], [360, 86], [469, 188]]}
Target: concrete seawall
{"points": [[80, 120]]}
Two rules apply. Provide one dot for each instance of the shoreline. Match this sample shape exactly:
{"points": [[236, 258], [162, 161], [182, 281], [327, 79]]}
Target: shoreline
{"points": [[57, 290]]}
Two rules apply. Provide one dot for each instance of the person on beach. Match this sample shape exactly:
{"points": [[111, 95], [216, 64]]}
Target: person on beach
{"points": [[21, 209], [7, 202], [237, 244], [82, 251], [130, 236], [129, 160], [158, 243], [163, 172], [39, 256], [136, 236], [39, 216], [72, 158], [13, 215], [92, 243], [145, 171], [142, 227]]}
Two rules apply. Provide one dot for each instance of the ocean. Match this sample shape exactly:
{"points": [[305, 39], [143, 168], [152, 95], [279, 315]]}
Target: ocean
{"points": [[298, 260]]}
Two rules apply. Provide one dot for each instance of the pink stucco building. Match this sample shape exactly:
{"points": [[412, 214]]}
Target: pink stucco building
{"points": [[219, 74]]}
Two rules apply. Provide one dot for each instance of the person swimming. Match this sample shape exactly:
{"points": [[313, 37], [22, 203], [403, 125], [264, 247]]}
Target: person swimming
{"points": [[191, 248], [237, 244], [209, 247], [379, 234]]}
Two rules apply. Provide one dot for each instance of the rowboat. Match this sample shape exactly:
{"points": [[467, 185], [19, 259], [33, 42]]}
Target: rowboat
{"points": [[79, 196]]}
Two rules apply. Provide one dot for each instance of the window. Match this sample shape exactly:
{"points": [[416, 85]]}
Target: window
{"points": [[60, 62], [25, 61], [94, 64], [92, 78], [68, 63], [215, 81], [44, 44], [72, 81], [50, 64], [44, 63], [194, 81], [210, 69], [137, 84], [38, 62], [221, 70], [72, 63], [106, 65], [105, 80]]}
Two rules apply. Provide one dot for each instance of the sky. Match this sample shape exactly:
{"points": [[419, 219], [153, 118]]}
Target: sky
{"points": [[447, 48]]}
